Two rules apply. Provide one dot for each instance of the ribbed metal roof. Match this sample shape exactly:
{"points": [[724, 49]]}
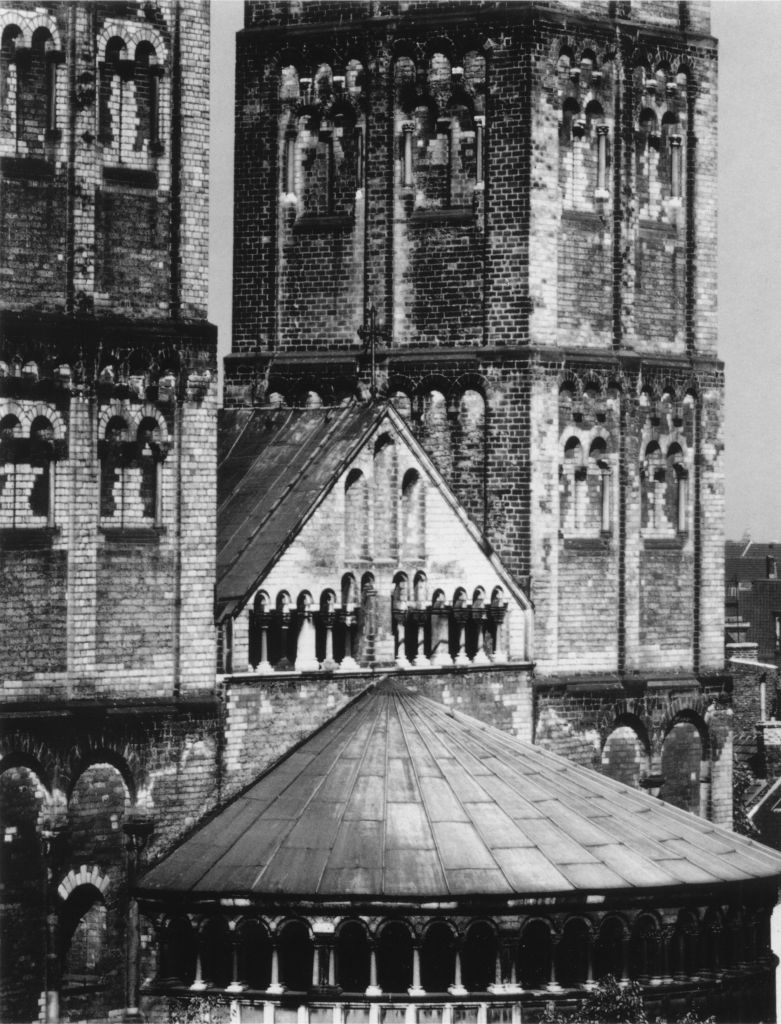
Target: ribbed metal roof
{"points": [[399, 797]]}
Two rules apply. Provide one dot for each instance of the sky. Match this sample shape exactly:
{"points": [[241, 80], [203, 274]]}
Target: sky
{"points": [[749, 242]]}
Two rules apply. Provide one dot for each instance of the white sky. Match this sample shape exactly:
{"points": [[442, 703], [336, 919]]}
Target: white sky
{"points": [[749, 32]]}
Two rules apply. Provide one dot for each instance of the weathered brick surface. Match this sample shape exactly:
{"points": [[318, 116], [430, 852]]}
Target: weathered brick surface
{"points": [[107, 473]]}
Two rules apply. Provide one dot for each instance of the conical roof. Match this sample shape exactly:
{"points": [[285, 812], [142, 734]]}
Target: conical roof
{"points": [[399, 797]]}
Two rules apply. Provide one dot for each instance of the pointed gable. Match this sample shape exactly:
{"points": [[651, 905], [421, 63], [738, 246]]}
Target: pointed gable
{"points": [[317, 504]]}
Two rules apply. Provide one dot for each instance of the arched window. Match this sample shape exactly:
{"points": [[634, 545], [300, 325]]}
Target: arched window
{"points": [[37, 94], [10, 433], [676, 496], [356, 516], [394, 958], [352, 957], [112, 468], [114, 67], [146, 76], [573, 491], [478, 957], [385, 495], [296, 956], [216, 948], [535, 952], [437, 958], [653, 480], [253, 955], [9, 80], [413, 516], [150, 459], [42, 461], [597, 512]]}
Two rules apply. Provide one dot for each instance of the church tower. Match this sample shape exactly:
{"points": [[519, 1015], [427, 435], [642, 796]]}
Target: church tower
{"points": [[107, 482], [502, 220]]}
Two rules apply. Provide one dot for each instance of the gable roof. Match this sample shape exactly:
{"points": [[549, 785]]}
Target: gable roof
{"points": [[275, 467], [399, 797]]}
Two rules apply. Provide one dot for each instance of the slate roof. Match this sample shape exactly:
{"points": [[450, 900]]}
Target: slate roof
{"points": [[398, 797], [273, 466]]}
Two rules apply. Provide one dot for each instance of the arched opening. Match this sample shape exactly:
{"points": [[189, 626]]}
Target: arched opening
{"points": [[435, 431], [681, 763], [253, 955], [296, 956], [413, 532], [644, 950], [215, 947], [96, 812], [609, 950], [394, 957], [535, 952], [36, 97], [356, 516], [352, 957], [437, 958], [42, 462], [113, 463], [83, 923], [478, 957], [179, 952], [146, 76], [22, 807], [111, 92], [624, 756], [572, 954], [386, 496]]}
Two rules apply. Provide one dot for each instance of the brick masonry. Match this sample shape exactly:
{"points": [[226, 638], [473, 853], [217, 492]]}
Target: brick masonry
{"points": [[107, 483]]}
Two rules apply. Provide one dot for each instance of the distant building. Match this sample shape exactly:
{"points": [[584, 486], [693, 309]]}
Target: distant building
{"points": [[752, 605]]}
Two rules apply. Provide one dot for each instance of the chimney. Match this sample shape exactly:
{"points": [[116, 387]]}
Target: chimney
{"points": [[770, 562]]}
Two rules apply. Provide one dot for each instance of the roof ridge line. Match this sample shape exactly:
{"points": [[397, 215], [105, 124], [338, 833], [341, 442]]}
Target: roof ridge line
{"points": [[478, 832], [347, 801], [401, 702]]}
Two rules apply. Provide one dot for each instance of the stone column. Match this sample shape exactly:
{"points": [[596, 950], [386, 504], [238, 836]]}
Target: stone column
{"points": [[478, 617], [327, 619], [416, 989], [419, 616], [305, 644], [262, 622], [498, 613], [457, 988], [347, 621], [461, 616], [399, 630], [440, 639], [283, 665]]}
